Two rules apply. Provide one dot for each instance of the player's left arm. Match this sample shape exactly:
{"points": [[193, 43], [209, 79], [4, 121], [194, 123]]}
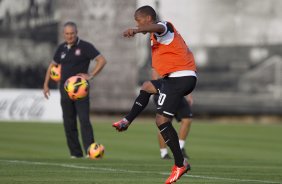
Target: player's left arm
{"points": [[100, 63], [155, 75], [152, 28]]}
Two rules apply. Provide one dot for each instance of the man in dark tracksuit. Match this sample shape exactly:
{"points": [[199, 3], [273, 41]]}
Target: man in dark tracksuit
{"points": [[75, 55]]}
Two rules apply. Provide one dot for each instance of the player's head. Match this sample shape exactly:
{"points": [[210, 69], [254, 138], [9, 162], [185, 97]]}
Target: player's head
{"points": [[70, 32], [145, 15]]}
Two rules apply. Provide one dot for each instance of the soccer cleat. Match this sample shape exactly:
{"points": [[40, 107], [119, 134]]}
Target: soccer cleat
{"points": [[121, 125], [166, 157], [185, 155], [177, 172]]}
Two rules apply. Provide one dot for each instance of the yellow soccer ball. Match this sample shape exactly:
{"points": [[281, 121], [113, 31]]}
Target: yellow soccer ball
{"points": [[77, 87], [55, 73], [96, 151]]}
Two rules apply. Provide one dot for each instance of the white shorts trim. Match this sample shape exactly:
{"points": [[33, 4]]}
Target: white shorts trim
{"points": [[183, 73], [168, 113]]}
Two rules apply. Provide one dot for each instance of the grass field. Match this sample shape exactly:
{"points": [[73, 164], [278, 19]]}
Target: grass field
{"points": [[36, 153]]}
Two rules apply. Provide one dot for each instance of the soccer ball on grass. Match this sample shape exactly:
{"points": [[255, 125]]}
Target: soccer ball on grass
{"points": [[96, 151]]}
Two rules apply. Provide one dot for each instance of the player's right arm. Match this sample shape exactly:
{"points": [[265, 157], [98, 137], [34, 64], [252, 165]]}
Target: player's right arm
{"points": [[151, 28], [46, 90]]}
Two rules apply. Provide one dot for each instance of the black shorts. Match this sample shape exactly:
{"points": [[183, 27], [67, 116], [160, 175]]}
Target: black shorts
{"points": [[171, 92], [183, 111]]}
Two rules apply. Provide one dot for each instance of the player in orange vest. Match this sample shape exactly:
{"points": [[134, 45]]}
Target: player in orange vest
{"points": [[174, 62]]}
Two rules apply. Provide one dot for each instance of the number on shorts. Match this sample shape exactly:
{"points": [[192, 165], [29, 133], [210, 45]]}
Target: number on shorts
{"points": [[161, 99]]}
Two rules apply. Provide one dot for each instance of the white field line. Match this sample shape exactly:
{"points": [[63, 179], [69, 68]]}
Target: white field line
{"points": [[135, 172]]}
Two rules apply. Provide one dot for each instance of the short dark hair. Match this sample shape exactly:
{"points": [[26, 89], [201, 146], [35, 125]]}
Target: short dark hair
{"points": [[72, 24], [147, 10]]}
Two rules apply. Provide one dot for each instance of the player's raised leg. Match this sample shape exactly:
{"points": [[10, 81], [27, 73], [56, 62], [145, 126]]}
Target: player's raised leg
{"points": [[139, 105]]}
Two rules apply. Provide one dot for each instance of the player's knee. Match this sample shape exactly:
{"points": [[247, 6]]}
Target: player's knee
{"points": [[148, 87], [186, 122], [160, 119]]}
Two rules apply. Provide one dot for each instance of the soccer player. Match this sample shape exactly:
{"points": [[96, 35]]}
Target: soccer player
{"points": [[75, 55], [174, 62]]}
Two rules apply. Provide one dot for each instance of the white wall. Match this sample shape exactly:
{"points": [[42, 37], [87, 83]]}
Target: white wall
{"points": [[223, 22]]}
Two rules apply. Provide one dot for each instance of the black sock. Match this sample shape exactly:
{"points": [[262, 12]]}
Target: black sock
{"points": [[171, 139], [139, 105]]}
